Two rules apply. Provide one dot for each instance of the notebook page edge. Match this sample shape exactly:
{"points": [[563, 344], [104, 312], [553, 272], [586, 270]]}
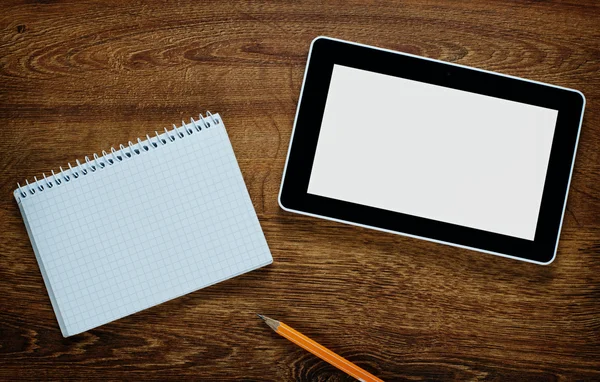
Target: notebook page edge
{"points": [[178, 296], [241, 176], [53, 301]]}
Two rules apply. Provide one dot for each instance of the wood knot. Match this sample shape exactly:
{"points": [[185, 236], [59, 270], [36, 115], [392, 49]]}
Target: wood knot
{"points": [[20, 28]]}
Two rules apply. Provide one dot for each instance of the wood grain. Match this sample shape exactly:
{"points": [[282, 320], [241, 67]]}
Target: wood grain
{"points": [[79, 77]]}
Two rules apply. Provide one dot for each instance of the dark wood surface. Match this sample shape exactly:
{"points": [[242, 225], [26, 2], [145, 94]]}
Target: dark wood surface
{"points": [[77, 77]]}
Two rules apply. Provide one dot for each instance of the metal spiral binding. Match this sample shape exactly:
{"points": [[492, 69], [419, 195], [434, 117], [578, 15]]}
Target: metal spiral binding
{"points": [[115, 156]]}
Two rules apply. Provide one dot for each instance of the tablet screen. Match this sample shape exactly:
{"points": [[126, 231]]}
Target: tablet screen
{"points": [[433, 152]]}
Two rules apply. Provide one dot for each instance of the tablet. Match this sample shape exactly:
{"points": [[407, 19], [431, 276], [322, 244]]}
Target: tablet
{"points": [[434, 150]]}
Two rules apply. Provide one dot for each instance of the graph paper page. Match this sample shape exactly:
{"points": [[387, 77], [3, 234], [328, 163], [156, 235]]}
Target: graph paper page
{"points": [[153, 227]]}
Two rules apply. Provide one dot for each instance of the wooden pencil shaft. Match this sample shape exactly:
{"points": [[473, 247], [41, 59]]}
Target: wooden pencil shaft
{"points": [[319, 350]]}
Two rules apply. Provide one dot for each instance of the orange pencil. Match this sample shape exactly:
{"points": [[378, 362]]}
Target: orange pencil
{"points": [[319, 350]]}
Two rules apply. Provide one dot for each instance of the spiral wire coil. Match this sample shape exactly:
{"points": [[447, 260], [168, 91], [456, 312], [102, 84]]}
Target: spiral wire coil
{"points": [[114, 156]]}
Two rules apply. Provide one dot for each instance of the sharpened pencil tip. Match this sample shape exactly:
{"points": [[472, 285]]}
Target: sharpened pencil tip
{"points": [[273, 324]]}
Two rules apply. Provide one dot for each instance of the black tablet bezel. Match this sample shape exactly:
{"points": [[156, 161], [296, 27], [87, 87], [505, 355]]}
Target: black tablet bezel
{"points": [[325, 52]]}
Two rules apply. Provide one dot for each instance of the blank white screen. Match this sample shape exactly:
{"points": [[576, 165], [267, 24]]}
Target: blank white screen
{"points": [[433, 152]]}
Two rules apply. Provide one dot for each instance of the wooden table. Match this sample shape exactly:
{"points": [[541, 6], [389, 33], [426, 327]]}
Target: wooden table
{"points": [[81, 76]]}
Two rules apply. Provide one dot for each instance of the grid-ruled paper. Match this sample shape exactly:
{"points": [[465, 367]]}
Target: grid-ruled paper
{"points": [[145, 230]]}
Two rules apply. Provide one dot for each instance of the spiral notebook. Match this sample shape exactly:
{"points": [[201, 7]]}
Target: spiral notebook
{"points": [[148, 222]]}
